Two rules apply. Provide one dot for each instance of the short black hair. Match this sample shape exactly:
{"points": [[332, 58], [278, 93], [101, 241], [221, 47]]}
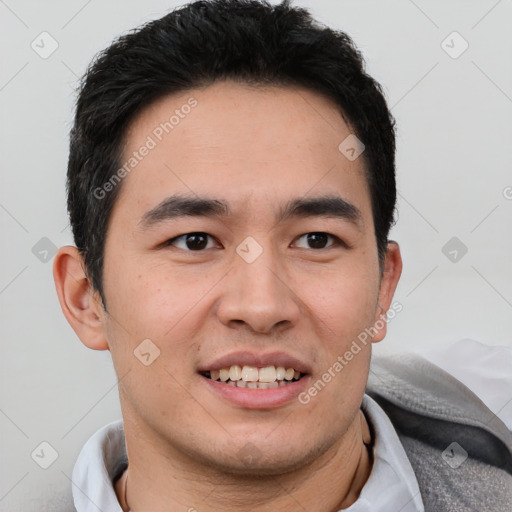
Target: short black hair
{"points": [[248, 41]]}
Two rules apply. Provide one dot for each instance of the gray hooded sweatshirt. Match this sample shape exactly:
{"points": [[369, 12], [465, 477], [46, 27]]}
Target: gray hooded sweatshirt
{"points": [[461, 452]]}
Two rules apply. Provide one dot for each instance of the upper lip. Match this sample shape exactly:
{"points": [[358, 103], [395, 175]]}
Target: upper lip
{"points": [[259, 360]]}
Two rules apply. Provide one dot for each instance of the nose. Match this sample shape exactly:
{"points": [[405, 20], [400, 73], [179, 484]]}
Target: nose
{"points": [[258, 296]]}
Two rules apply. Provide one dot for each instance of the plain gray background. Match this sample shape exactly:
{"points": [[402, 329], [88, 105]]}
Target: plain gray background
{"points": [[454, 118]]}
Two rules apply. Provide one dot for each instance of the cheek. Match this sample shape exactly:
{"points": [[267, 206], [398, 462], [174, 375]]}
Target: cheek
{"points": [[152, 306], [344, 309], [153, 302], [344, 301]]}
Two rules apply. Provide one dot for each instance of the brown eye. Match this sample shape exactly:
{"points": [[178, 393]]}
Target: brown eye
{"points": [[317, 240], [192, 241]]}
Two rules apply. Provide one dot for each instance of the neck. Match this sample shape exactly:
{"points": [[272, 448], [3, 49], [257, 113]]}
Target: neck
{"points": [[333, 481]]}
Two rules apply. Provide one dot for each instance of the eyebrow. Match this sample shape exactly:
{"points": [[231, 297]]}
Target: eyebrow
{"points": [[184, 206]]}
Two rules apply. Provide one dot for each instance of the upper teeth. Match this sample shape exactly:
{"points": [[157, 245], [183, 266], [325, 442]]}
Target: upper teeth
{"points": [[254, 374]]}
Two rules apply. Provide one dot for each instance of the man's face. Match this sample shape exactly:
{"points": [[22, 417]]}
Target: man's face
{"points": [[252, 288]]}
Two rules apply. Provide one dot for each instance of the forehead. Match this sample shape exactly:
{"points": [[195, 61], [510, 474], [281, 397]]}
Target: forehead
{"points": [[244, 144]]}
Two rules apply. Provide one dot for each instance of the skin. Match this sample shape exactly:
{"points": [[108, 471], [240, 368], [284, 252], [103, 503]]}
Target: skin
{"points": [[256, 149]]}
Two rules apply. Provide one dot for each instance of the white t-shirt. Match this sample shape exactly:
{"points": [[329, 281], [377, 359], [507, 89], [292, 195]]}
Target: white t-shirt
{"points": [[392, 484]]}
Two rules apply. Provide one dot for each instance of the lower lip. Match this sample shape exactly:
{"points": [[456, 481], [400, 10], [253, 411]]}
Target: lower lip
{"points": [[258, 398]]}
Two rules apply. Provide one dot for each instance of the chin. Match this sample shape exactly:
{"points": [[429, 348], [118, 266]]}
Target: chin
{"points": [[263, 459], [263, 467]]}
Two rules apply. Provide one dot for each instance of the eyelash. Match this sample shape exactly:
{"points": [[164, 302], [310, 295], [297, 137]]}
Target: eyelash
{"points": [[336, 241]]}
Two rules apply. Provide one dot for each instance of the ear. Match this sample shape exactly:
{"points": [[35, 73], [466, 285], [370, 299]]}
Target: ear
{"points": [[389, 281], [81, 304]]}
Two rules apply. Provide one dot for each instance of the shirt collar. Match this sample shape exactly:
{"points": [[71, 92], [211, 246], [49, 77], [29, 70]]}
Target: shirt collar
{"points": [[392, 484], [95, 469]]}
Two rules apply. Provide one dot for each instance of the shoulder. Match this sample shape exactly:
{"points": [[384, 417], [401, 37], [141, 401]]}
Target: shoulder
{"points": [[461, 452]]}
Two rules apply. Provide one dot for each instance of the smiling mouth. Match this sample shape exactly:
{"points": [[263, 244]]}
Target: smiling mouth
{"points": [[253, 377]]}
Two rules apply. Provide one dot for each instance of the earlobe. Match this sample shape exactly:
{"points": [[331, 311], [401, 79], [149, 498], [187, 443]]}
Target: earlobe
{"points": [[389, 281], [80, 304]]}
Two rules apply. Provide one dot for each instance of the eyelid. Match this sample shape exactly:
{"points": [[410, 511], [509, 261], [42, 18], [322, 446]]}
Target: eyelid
{"points": [[337, 241], [170, 241]]}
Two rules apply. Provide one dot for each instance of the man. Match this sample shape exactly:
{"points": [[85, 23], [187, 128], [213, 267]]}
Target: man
{"points": [[231, 189]]}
